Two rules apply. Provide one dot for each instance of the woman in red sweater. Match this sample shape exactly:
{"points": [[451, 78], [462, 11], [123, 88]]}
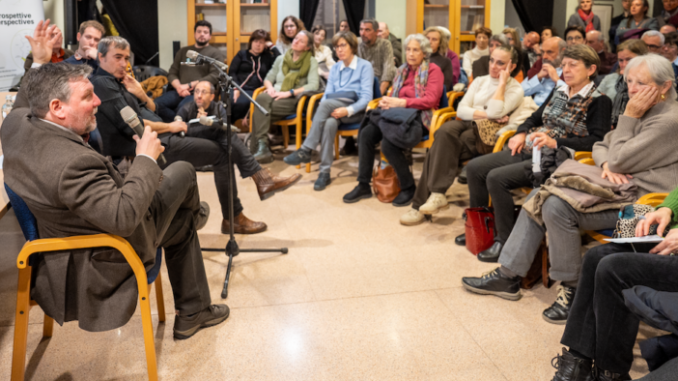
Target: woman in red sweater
{"points": [[417, 88]]}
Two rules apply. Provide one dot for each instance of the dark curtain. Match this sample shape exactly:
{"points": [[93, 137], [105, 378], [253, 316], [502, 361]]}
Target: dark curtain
{"points": [[307, 11], [534, 14], [137, 22], [355, 11]]}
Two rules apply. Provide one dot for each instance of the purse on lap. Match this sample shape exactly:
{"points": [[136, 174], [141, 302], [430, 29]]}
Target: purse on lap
{"points": [[485, 131], [629, 216]]}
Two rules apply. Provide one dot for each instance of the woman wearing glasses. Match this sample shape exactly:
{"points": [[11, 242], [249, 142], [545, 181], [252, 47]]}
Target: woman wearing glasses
{"points": [[291, 26], [348, 91]]}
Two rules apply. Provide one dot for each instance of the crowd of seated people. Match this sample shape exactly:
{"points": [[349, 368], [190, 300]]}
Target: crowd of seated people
{"points": [[616, 100]]}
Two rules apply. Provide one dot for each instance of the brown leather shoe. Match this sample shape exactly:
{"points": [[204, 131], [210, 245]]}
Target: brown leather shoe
{"points": [[268, 184], [243, 225]]}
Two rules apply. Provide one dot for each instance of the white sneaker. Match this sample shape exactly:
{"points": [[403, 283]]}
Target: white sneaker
{"points": [[435, 203], [411, 218]]}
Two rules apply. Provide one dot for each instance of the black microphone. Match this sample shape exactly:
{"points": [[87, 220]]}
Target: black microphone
{"points": [[180, 119], [130, 117], [192, 54], [216, 123]]}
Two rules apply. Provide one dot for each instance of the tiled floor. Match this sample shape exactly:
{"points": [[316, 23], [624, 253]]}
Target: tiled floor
{"points": [[358, 297]]}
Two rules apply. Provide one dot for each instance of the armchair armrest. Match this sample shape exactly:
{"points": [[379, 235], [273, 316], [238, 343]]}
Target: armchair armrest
{"points": [[579, 155], [499, 145], [652, 199], [311, 109]]}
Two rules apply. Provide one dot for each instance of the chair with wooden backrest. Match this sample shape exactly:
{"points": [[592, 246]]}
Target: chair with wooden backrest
{"points": [[296, 119], [344, 129], [35, 245]]}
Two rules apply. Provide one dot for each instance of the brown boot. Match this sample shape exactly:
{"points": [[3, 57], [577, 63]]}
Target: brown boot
{"points": [[268, 184], [243, 225]]}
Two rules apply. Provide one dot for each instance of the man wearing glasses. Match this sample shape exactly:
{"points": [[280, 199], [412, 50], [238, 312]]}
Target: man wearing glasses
{"points": [[654, 41]]}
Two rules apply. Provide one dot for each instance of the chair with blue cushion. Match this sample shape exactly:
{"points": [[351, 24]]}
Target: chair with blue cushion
{"points": [[35, 245]]}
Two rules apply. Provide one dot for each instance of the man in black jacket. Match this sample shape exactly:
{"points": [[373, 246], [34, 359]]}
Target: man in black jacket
{"points": [[117, 90]]}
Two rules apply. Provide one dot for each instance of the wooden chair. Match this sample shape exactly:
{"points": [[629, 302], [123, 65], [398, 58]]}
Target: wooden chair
{"points": [[296, 119], [46, 246]]}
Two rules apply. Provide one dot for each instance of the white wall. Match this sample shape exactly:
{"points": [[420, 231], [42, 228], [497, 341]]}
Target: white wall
{"points": [[393, 13], [172, 26], [54, 10], [287, 8]]}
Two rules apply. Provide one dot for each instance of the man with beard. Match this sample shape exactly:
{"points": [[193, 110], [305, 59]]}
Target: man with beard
{"points": [[89, 35], [185, 74], [540, 86], [117, 90]]}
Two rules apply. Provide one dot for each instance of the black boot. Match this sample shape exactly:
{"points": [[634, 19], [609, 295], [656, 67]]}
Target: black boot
{"points": [[571, 368], [560, 309], [606, 375], [460, 240], [405, 196], [492, 254], [494, 283]]}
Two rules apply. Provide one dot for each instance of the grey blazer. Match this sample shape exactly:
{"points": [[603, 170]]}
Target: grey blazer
{"points": [[576, 20], [73, 190]]}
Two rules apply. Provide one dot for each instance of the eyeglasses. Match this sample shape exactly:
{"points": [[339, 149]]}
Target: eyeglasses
{"points": [[340, 46], [199, 92], [578, 38], [653, 47], [290, 26]]}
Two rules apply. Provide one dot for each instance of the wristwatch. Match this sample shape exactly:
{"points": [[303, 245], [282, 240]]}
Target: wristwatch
{"points": [[292, 92]]}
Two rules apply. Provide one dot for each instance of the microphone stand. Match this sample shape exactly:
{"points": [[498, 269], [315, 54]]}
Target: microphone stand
{"points": [[226, 84]]}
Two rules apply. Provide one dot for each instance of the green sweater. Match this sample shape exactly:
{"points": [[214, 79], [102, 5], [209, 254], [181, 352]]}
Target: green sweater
{"points": [[671, 202]]}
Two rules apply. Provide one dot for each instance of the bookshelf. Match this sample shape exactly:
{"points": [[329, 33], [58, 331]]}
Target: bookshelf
{"points": [[461, 17], [233, 21]]}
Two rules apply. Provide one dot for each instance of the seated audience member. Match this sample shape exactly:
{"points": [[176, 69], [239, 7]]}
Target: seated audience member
{"points": [[439, 46], [523, 60], [548, 32], [454, 58], [343, 26], [58, 53], [184, 74], [117, 90], [289, 29], [668, 28], [654, 41], [668, 15], [348, 91], [292, 74], [670, 50], [575, 35], [638, 19], [89, 35], [541, 85], [531, 43], [575, 115], [640, 150], [323, 54], [248, 69], [481, 66], [584, 17], [612, 33], [491, 97], [73, 190], [396, 44], [378, 52], [601, 330], [596, 41], [614, 85], [481, 49], [418, 86]]}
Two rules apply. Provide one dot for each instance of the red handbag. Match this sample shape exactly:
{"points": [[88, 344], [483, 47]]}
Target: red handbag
{"points": [[479, 229]]}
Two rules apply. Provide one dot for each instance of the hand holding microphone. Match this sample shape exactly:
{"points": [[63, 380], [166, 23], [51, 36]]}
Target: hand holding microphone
{"points": [[180, 119], [130, 117]]}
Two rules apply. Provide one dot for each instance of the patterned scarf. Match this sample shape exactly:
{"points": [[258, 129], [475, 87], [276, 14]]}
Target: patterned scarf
{"points": [[420, 81], [302, 67], [588, 19], [563, 117], [620, 101]]}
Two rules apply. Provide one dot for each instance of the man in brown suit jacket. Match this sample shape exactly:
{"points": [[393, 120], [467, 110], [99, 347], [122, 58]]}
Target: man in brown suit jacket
{"points": [[73, 190]]}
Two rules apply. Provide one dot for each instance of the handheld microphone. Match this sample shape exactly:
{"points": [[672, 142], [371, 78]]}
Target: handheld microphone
{"points": [[216, 123], [130, 117], [192, 54], [180, 119]]}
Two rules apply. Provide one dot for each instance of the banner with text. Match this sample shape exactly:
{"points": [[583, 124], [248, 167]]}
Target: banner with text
{"points": [[18, 18]]}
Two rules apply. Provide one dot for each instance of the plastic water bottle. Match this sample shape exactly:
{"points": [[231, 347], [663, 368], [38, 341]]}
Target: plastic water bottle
{"points": [[536, 160], [7, 107]]}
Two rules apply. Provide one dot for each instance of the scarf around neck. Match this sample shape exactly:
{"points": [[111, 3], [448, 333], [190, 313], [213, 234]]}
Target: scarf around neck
{"points": [[588, 19], [420, 81], [301, 66]]}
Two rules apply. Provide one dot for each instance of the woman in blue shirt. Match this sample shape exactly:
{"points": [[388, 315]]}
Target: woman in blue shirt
{"points": [[348, 91]]}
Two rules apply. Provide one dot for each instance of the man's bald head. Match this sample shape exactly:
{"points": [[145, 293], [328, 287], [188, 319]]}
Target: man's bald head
{"points": [[595, 40], [553, 50], [668, 28], [383, 30], [531, 39]]}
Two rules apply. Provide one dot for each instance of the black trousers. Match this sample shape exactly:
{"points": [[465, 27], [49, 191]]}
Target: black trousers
{"points": [[201, 152], [496, 175], [241, 107], [175, 209], [369, 137], [600, 326]]}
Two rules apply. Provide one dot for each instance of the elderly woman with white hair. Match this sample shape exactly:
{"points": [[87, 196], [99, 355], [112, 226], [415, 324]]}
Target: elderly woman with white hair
{"points": [[418, 87], [642, 151]]}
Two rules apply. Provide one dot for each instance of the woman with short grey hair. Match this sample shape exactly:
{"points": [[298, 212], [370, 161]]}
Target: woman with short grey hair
{"points": [[417, 87]]}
